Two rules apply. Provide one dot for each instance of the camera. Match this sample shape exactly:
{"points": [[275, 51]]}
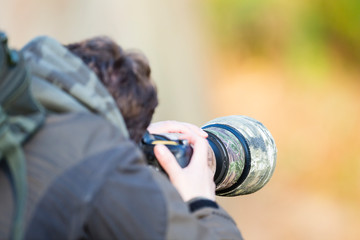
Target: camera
{"points": [[245, 153], [181, 149]]}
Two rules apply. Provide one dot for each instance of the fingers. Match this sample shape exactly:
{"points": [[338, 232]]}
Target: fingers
{"points": [[167, 160], [190, 128], [200, 146], [176, 127], [195, 180]]}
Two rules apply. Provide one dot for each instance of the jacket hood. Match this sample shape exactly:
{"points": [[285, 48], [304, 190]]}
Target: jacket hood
{"points": [[61, 82]]}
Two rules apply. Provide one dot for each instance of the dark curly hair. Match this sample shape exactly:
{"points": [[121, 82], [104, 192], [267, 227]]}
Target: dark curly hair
{"points": [[126, 75]]}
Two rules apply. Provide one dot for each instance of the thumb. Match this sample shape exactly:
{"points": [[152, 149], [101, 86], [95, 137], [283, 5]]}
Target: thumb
{"points": [[167, 160]]}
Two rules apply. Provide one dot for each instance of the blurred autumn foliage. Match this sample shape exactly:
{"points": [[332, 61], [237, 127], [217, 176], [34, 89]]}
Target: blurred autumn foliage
{"points": [[295, 29], [295, 66]]}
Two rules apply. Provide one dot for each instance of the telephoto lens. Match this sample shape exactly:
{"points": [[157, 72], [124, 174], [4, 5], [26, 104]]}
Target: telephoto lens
{"points": [[245, 154]]}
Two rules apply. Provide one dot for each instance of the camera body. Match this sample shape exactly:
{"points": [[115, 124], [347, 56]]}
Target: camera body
{"points": [[245, 153], [181, 149]]}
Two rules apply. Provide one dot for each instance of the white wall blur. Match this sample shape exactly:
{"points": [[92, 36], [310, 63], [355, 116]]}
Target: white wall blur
{"points": [[168, 32]]}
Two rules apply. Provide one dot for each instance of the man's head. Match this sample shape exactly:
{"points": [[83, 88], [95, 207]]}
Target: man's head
{"points": [[126, 75]]}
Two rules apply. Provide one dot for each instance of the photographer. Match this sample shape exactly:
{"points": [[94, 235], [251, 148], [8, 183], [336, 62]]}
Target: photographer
{"points": [[86, 178]]}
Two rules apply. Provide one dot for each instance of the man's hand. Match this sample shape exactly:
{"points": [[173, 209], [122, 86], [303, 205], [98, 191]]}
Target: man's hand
{"points": [[195, 180], [176, 127]]}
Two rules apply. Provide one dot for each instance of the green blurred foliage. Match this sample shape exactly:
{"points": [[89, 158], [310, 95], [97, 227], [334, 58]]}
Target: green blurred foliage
{"points": [[307, 35], [306, 54], [241, 25], [342, 22]]}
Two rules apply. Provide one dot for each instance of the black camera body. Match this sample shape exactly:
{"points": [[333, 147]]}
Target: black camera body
{"points": [[181, 149]]}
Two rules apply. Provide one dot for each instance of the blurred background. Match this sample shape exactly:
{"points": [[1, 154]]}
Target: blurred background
{"points": [[293, 65]]}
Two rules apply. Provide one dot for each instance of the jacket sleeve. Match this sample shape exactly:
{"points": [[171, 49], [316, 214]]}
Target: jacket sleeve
{"points": [[137, 202], [197, 219]]}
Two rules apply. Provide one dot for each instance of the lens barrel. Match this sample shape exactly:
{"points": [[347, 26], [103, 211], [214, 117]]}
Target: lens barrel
{"points": [[245, 154]]}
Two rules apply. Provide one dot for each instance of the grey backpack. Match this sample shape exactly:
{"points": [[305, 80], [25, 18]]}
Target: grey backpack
{"points": [[20, 116]]}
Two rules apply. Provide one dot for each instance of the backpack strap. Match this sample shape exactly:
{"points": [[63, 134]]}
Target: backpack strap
{"points": [[11, 153], [20, 116]]}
